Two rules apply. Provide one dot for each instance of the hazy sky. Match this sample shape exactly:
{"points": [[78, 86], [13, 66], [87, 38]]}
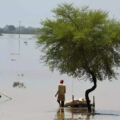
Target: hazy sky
{"points": [[31, 12]]}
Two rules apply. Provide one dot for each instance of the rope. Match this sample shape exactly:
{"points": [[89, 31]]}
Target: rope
{"points": [[5, 95], [9, 98]]}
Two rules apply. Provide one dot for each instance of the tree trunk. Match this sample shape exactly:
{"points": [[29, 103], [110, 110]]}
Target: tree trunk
{"points": [[90, 90]]}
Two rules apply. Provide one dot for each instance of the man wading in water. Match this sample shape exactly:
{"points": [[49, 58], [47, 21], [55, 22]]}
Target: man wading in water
{"points": [[61, 93]]}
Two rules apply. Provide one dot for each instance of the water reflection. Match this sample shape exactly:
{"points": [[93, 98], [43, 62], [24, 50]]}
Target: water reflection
{"points": [[73, 114], [60, 114]]}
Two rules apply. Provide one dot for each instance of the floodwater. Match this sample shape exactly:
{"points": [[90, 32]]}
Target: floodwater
{"points": [[20, 62]]}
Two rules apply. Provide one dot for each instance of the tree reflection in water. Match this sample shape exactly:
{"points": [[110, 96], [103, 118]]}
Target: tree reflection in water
{"points": [[73, 114]]}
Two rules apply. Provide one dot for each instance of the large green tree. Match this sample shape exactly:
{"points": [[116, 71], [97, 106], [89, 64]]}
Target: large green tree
{"points": [[81, 42]]}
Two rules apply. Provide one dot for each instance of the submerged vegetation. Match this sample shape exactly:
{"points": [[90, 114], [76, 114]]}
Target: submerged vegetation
{"points": [[81, 43], [19, 85]]}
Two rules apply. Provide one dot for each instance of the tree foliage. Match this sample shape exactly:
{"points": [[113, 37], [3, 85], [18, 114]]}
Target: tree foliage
{"points": [[80, 42]]}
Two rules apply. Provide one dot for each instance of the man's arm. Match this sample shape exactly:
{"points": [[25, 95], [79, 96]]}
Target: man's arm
{"points": [[57, 92]]}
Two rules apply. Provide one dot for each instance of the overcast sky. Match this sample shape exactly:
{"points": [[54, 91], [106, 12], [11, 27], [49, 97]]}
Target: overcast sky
{"points": [[31, 12]]}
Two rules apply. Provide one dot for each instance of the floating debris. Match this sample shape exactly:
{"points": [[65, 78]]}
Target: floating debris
{"points": [[18, 74], [13, 59], [25, 42], [15, 53], [19, 85], [22, 75]]}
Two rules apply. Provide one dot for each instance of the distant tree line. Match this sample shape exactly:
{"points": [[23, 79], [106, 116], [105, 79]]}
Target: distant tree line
{"points": [[11, 29]]}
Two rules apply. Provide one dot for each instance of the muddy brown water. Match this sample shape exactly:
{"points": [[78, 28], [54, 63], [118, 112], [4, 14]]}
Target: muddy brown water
{"points": [[20, 62]]}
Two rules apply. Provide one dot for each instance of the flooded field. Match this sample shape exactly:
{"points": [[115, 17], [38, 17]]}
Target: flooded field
{"points": [[34, 99]]}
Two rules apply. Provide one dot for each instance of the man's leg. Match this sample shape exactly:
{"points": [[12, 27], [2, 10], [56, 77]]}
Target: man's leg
{"points": [[58, 101], [62, 103]]}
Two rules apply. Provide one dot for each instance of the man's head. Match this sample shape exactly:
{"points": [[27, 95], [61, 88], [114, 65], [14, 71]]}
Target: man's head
{"points": [[61, 81]]}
